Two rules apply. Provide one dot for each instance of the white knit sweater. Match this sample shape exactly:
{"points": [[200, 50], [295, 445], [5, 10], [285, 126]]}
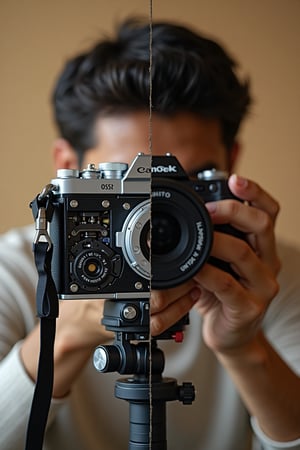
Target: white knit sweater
{"points": [[91, 418]]}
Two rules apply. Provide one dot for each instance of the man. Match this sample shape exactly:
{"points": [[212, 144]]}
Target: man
{"points": [[242, 347]]}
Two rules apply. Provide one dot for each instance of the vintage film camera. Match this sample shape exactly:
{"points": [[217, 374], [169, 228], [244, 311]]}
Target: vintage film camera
{"points": [[104, 219]]}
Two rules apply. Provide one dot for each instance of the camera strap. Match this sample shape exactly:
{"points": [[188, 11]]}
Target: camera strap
{"points": [[47, 310]]}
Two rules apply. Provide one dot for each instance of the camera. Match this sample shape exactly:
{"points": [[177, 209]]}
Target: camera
{"points": [[118, 231]]}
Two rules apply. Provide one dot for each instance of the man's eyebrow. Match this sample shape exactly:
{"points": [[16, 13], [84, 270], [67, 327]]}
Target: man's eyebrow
{"points": [[207, 166]]}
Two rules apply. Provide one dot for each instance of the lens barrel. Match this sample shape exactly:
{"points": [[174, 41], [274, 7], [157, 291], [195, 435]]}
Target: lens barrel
{"points": [[181, 233]]}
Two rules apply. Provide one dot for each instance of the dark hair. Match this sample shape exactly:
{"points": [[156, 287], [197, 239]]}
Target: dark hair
{"points": [[190, 73]]}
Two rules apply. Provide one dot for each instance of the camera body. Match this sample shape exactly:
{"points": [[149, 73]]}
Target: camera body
{"points": [[106, 219], [100, 230]]}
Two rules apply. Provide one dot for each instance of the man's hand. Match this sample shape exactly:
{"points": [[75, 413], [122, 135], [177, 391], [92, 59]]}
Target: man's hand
{"points": [[79, 325], [170, 305], [78, 333], [232, 309]]}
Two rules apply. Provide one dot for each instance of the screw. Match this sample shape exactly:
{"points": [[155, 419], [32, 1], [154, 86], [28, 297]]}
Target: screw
{"points": [[129, 312], [74, 287], [73, 203]]}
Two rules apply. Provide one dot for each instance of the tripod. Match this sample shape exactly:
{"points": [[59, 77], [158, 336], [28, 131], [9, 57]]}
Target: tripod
{"points": [[134, 353]]}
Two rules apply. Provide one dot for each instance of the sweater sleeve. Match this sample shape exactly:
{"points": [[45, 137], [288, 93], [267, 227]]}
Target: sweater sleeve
{"points": [[265, 443], [17, 391], [17, 318], [282, 328], [16, 396]]}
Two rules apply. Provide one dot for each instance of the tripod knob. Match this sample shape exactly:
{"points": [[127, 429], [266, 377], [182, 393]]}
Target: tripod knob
{"points": [[107, 358], [186, 393]]}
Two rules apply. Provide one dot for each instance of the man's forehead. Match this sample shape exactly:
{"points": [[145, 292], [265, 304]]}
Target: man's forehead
{"points": [[196, 142]]}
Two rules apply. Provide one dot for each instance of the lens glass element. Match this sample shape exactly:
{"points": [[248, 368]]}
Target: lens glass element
{"points": [[165, 233]]}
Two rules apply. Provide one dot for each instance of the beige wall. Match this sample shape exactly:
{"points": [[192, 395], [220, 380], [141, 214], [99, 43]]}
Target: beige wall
{"points": [[36, 37]]}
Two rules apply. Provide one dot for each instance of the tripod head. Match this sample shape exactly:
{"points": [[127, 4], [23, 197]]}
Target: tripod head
{"points": [[130, 322], [135, 352]]}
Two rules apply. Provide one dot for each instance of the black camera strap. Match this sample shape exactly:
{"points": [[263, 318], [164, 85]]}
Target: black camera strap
{"points": [[47, 311]]}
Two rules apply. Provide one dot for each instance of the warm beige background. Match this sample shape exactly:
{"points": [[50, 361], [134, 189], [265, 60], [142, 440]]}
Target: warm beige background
{"points": [[36, 37]]}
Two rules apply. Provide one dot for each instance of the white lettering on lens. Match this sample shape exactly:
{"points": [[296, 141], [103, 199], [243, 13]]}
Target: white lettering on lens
{"points": [[194, 258], [161, 194], [200, 236]]}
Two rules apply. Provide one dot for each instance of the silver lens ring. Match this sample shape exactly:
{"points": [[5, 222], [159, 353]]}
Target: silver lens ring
{"points": [[130, 239]]}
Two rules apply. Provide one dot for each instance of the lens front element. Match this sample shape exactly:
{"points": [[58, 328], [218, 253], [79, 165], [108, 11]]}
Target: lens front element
{"points": [[181, 233]]}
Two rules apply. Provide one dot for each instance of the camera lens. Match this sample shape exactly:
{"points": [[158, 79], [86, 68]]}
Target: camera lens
{"points": [[181, 233], [165, 233]]}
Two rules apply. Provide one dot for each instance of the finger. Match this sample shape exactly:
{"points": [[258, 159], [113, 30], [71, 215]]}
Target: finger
{"points": [[160, 300], [255, 275], [167, 317], [252, 192], [228, 291], [255, 223]]}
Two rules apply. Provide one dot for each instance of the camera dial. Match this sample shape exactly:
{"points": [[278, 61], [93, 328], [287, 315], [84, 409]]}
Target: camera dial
{"points": [[112, 170], [95, 265]]}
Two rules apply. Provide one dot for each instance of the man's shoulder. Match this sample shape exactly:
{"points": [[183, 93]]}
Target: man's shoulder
{"points": [[16, 244], [286, 303], [18, 237]]}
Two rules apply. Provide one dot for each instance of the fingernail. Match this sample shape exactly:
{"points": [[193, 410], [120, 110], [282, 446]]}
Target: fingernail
{"points": [[240, 181], [195, 294], [211, 207]]}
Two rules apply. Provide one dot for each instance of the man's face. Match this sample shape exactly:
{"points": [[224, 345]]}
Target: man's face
{"points": [[196, 142]]}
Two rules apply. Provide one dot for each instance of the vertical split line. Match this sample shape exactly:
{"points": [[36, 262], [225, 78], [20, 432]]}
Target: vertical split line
{"points": [[150, 152]]}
